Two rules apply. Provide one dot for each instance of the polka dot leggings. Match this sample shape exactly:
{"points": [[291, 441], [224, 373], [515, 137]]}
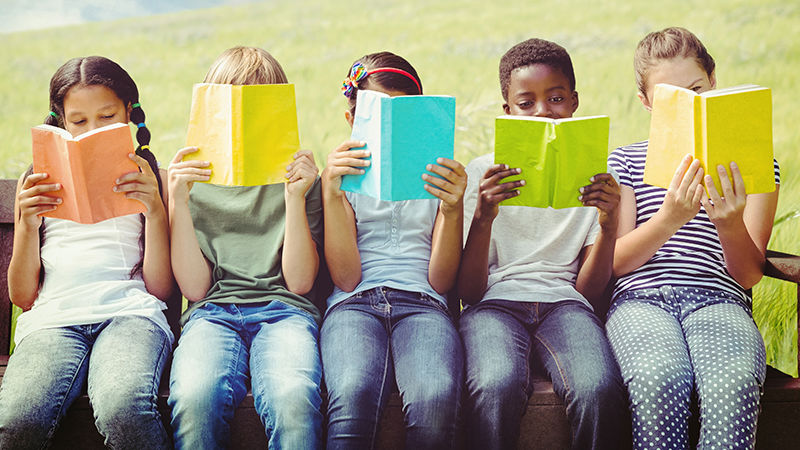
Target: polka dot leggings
{"points": [[673, 341]]}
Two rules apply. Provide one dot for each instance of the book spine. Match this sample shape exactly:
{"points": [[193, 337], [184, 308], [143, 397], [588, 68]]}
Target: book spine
{"points": [[386, 155], [700, 143], [77, 179], [236, 155]]}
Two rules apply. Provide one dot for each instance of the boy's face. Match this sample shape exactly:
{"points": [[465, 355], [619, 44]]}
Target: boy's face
{"points": [[542, 91]]}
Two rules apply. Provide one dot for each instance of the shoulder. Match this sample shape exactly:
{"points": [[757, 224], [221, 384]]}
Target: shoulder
{"points": [[480, 164]]}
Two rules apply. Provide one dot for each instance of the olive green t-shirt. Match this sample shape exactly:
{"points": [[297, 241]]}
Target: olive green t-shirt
{"points": [[240, 231]]}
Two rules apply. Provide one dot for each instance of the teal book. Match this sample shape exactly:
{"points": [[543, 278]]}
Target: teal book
{"points": [[557, 156], [403, 134]]}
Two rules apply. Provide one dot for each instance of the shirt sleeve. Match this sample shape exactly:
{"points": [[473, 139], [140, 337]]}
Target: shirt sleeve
{"points": [[619, 164]]}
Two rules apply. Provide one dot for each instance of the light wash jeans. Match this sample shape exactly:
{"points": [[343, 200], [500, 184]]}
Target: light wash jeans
{"points": [[120, 359], [501, 340], [380, 336], [223, 349], [672, 342]]}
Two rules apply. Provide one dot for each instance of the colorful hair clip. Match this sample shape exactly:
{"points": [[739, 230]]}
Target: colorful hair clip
{"points": [[145, 147], [135, 105], [357, 73], [54, 114], [141, 125]]}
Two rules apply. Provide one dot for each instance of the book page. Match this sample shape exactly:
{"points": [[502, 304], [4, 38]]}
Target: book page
{"points": [[269, 134], [422, 130], [738, 127], [672, 133], [210, 130], [98, 160], [367, 124]]}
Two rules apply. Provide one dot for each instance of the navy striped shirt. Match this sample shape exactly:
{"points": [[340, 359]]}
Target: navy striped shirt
{"points": [[692, 257]]}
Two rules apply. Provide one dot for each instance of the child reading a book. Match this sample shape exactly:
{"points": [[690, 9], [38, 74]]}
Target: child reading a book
{"points": [[392, 263], [529, 277], [681, 319], [92, 293], [246, 259]]}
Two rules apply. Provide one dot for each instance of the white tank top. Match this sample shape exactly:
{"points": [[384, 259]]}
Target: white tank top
{"points": [[87, 276]]}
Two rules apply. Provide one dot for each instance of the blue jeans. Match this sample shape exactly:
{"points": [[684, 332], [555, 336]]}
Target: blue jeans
{"points": [[673, 341], [223, 348], [567, 339], [383, 335], [120, 359]]}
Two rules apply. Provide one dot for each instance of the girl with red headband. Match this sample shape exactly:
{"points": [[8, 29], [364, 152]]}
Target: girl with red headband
{"points": [[392, 264]]}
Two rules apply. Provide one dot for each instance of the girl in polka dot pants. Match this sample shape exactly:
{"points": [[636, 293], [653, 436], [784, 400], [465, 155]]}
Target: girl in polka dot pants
{"points": [[681, 324]]}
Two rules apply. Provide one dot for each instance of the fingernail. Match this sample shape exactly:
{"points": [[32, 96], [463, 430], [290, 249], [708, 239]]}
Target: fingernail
{"points": [[58, 200], [428, 167], [114, 189], [591, 179], [580, 197], [116, 181], [505, 167], [361, 171], [58, 185], [733, 165], [522, 182], [580, 190], [519, 170]]}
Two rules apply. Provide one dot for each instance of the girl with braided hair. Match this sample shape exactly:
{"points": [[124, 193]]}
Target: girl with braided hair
{"points": [[91, 293]]}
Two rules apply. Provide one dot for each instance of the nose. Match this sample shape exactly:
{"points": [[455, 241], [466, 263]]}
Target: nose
{"points": [[541, 109]]}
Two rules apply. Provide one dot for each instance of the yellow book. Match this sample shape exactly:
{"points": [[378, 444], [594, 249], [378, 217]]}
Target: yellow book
{"points": [[717, 127], [248, 133]]}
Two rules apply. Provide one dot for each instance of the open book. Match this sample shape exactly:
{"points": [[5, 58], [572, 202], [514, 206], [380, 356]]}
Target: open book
{"points": [[87, 167], [557, 156], [717, 127], [248, 133], [403, 134]]}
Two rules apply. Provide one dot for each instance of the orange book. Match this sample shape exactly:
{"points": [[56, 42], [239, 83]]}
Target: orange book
{"points": [[87, 167]]}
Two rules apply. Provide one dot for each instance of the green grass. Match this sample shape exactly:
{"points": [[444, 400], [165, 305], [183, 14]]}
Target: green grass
{"points": [[456, 46]]}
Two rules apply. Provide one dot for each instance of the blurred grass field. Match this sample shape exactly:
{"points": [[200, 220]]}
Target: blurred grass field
{"points": [[455, 46]]}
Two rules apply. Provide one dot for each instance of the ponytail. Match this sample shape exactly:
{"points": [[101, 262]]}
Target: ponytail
{"points": [[143, 139]]}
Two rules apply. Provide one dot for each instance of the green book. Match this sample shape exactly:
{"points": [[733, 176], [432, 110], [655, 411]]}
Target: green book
{"points": [[15, 312], [557, 156]]}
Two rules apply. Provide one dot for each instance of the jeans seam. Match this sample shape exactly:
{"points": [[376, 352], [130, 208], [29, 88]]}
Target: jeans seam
{"points": [[383, 384], [59, 415], [155, 382], [558, 363]]}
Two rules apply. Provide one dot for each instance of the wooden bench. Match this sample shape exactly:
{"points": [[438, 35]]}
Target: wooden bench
{"points": [[544, 425]]}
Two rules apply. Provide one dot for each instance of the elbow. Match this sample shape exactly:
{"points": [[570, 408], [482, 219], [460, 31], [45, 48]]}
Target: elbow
{"points": [[24, 302], [751, 281], [346, 283], [301, 288]]}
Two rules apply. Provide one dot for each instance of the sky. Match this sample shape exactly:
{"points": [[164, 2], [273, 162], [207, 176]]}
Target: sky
{"points": [[21, 15]]}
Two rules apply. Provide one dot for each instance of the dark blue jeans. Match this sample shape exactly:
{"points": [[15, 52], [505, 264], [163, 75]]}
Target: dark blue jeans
{"points": [[381, 335], [502, 339]]}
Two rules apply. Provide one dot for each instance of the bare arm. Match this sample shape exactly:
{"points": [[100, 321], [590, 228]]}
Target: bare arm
{"points": [[143, 186], [473, 273], [635, 246], [300, 260], [191, 268], [25, 267], [597, 259], [341, 244], [449, 225], [744, 224]]}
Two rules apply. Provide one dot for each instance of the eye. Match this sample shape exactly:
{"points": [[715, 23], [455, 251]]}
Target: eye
{"points": [[79, 122], [525, 104], [696, 88], [556, 99], [109, 116]]}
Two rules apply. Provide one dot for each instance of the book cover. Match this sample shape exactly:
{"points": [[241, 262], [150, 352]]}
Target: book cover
{"points": [[404, 134], [87, 167], [248, 133], [557, 156], [717, 127]]}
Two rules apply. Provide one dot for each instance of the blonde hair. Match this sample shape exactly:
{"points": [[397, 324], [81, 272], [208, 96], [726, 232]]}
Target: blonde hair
{"points": [[246, 65], [667, 44]]}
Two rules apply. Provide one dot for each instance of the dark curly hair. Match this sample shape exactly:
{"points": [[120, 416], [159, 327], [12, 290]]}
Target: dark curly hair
{"points": [[535, 51]]}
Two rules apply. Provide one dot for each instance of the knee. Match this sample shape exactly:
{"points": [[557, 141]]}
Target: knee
{"points": [[293, 404], [491, 386], [19, 426], [650, 384], [196, 400]]}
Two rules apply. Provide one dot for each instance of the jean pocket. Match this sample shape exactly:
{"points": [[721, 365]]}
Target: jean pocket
{"points": [[432, 301]]}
